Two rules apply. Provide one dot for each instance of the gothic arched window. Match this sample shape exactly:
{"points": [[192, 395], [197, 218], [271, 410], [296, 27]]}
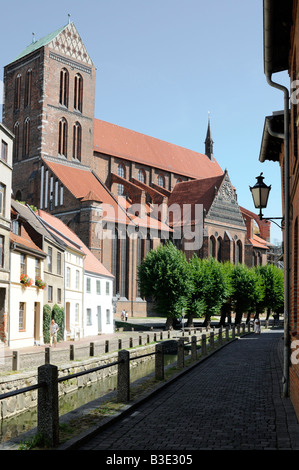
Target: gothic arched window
{"points": [[78, 93], [17, 141], [26, 137], [18, 83], [122, 173], [141, 176], [62, 141], [161, 181], [64, 88], [28, 86], [77, 139]]}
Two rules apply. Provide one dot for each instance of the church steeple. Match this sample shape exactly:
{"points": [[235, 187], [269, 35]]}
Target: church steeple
{"points": [[209, 143]]}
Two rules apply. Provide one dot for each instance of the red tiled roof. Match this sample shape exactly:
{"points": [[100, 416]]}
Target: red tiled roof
{"points": [[91, 264], [25, 241], [259, 242], [200, 191], [130, 145]]}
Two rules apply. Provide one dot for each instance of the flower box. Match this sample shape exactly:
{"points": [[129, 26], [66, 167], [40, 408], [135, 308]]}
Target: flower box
{"points": [[39, 283], [26, 280]]}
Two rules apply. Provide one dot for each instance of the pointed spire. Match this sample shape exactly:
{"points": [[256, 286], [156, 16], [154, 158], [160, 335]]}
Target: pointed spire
{"points": [[209, 142]]}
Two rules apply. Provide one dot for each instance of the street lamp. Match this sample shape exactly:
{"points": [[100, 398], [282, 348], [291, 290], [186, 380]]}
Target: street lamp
{"points": [[260, 194]]}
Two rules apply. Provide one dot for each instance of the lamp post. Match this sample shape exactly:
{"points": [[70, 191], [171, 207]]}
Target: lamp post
{"points": [[260, 193]]}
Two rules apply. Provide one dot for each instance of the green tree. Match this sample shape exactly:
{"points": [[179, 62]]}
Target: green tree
{"points": [[210, 286], [58, 315], [46, 323], [247, 291], [164, 276], [273, 281]]}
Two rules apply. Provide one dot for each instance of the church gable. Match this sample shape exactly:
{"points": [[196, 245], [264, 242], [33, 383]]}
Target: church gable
{"points": [[225, 206], [69, 42]]}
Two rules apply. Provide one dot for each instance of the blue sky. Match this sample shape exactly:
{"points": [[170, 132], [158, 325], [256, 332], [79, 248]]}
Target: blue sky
{"points": [[163, 65]]}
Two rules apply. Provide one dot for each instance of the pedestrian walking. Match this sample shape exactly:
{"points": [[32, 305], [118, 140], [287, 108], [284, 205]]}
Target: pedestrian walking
{"points": [[53, 332], [126, 314], [123, 313], [257, 325]]}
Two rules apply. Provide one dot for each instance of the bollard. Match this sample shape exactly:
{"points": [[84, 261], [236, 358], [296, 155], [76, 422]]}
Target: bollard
{"points": [[140, 340], [203, 345], [47, 404], [147, 339], [119, 344], [159, 362], [220, 336], [155, 337], [72, 352], [47, 355], [181, 353], [212, 340], [123, 376], [91, 349], [193, 348], [227, 333], [15, 360], [106, 346]]}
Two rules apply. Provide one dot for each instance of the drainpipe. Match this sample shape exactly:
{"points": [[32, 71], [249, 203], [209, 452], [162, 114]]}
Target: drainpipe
{"points": [[286, 355]]}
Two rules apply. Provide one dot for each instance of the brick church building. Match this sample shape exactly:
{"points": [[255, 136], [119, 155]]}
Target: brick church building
{"points": [[116, 188]]}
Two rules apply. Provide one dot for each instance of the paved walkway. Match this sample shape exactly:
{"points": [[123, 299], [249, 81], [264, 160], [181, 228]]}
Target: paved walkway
{"points": [[231, 401]]}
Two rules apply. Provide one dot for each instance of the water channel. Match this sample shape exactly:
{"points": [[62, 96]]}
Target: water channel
{"points": [[13, 427]]}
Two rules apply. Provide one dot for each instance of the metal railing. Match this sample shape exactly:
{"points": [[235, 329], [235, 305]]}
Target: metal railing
{"points": [[48, 380]]}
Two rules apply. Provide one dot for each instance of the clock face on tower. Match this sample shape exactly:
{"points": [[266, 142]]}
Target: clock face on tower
{"points": [[227, 191]]}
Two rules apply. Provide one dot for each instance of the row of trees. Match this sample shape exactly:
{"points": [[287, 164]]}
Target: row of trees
{"points": [[205, 287]]}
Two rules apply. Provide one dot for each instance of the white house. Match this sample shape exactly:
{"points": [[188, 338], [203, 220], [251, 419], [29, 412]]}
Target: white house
{"points": [[88, 284], [25, 323]]}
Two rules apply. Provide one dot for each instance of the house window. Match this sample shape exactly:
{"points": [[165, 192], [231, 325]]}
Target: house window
{"points": [[4, 148], [88, 317], [77, 279], [107, 288], [61, 195], [59, 295], [64, 88], [50, 256], [77, 138], [108, 317], [88, 289], [68, 277], [17, 141], [22, 264], [77, 313], [160, 181], [120, 172], [62, 140], [22, 316], [1, 251], [18, 84], [26, 135], [50, 293], [2, 199], [98, 287], [28, 85], [37, 267], [58, 262], [141, 176], [78, 93]]}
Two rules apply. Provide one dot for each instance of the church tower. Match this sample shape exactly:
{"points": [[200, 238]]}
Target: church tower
{"points": [[209, 143], [49, 94]]}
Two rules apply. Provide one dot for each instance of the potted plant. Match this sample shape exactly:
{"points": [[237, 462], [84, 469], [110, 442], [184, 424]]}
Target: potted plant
{"points": [[39, 283], [26, 280]]}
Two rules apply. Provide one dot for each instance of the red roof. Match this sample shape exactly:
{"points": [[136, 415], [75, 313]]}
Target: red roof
{"points": [[259, 242], [91, 264], [130, 145], [25, 241]]}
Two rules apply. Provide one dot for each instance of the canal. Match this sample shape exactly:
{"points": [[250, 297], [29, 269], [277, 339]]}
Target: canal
{"points": [[11, 428]]}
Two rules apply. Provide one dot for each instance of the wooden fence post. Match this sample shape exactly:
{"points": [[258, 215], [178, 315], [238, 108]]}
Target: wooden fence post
{"points": [[123, 376], [159, 362]]}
